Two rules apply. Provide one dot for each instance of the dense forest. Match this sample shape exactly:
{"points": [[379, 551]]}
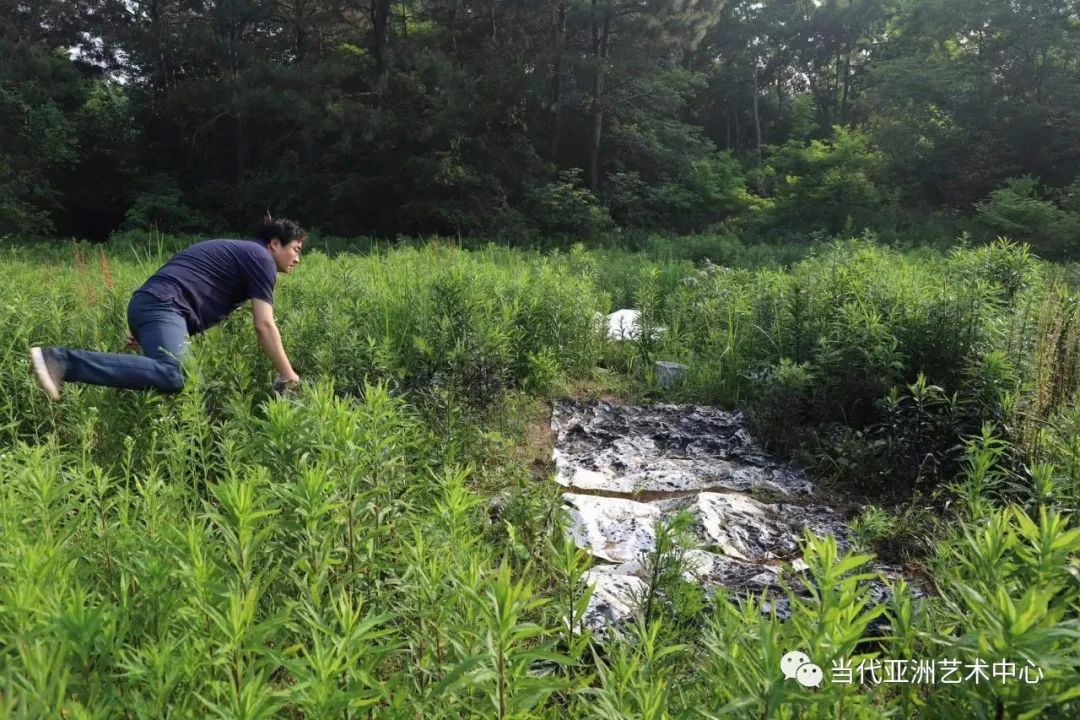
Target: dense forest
{"points": [[544, 119]]}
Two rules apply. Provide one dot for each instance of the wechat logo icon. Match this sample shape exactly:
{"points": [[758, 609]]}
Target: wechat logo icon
{"points": [[797, 665]]}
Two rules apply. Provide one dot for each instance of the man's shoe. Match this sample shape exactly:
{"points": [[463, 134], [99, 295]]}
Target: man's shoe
{"points": [[50, 375]]}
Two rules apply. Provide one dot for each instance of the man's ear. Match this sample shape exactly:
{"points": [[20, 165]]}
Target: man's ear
{"points": [[274, 244]]}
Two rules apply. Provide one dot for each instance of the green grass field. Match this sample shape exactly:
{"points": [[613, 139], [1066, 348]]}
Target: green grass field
{"points": [[226, 553]]}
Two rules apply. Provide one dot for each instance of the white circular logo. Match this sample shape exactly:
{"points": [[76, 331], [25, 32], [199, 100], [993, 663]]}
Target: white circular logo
{"points": [[790, 663], [796, 665]]}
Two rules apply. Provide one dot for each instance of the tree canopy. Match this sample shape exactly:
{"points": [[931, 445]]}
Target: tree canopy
{"points": [[528, 118]]}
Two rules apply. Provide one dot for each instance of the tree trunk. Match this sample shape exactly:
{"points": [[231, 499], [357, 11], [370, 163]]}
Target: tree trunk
{"points": [[452, 26], [162, 73], [836, 90], [301, 34], [822, 104], [847, 85], [380, 22], [234, 33], [600, 49], [241, 151], [738, 132], [557, 86], [757, 134], [239, 140]]}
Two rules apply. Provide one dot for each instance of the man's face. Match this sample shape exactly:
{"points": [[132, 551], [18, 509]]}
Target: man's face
{"points": [[286, 257]]}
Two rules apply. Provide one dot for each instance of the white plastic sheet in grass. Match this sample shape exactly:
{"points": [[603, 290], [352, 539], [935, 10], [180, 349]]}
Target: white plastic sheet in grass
{"points": [[664, 448], [626, 325], [628, 469]]}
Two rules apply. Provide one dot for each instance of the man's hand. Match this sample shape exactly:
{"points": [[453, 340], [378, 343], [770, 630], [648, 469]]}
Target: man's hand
{"points": [[286, 387], [131, 344]]}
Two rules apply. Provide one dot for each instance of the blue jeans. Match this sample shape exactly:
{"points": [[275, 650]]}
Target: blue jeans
{"points": [[162, 334]]}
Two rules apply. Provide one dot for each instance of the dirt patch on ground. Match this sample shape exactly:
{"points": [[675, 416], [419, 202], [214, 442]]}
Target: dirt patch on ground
{"points": [[536, 451]]}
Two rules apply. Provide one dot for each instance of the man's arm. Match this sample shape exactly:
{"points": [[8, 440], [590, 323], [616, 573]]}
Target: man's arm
{"points": [[270, 339]]}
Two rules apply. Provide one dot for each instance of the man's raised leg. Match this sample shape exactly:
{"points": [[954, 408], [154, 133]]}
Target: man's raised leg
{"points": [[162, 333]]}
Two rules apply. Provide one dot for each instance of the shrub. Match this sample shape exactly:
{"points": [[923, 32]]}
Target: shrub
{"points": [[1020, 211], [566, 211], [783, 403], [712, 191], [824, 185], [161, 206]]}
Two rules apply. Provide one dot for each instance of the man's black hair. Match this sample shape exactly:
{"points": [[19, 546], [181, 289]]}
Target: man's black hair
{"points": [[284, 230]]}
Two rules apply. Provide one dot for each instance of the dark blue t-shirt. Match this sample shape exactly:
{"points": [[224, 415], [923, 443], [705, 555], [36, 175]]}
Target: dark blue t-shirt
{"points": [[210, 279]]}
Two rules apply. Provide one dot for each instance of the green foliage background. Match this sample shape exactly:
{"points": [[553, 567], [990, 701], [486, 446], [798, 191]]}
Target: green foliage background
{"points": [[547, 122]]}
